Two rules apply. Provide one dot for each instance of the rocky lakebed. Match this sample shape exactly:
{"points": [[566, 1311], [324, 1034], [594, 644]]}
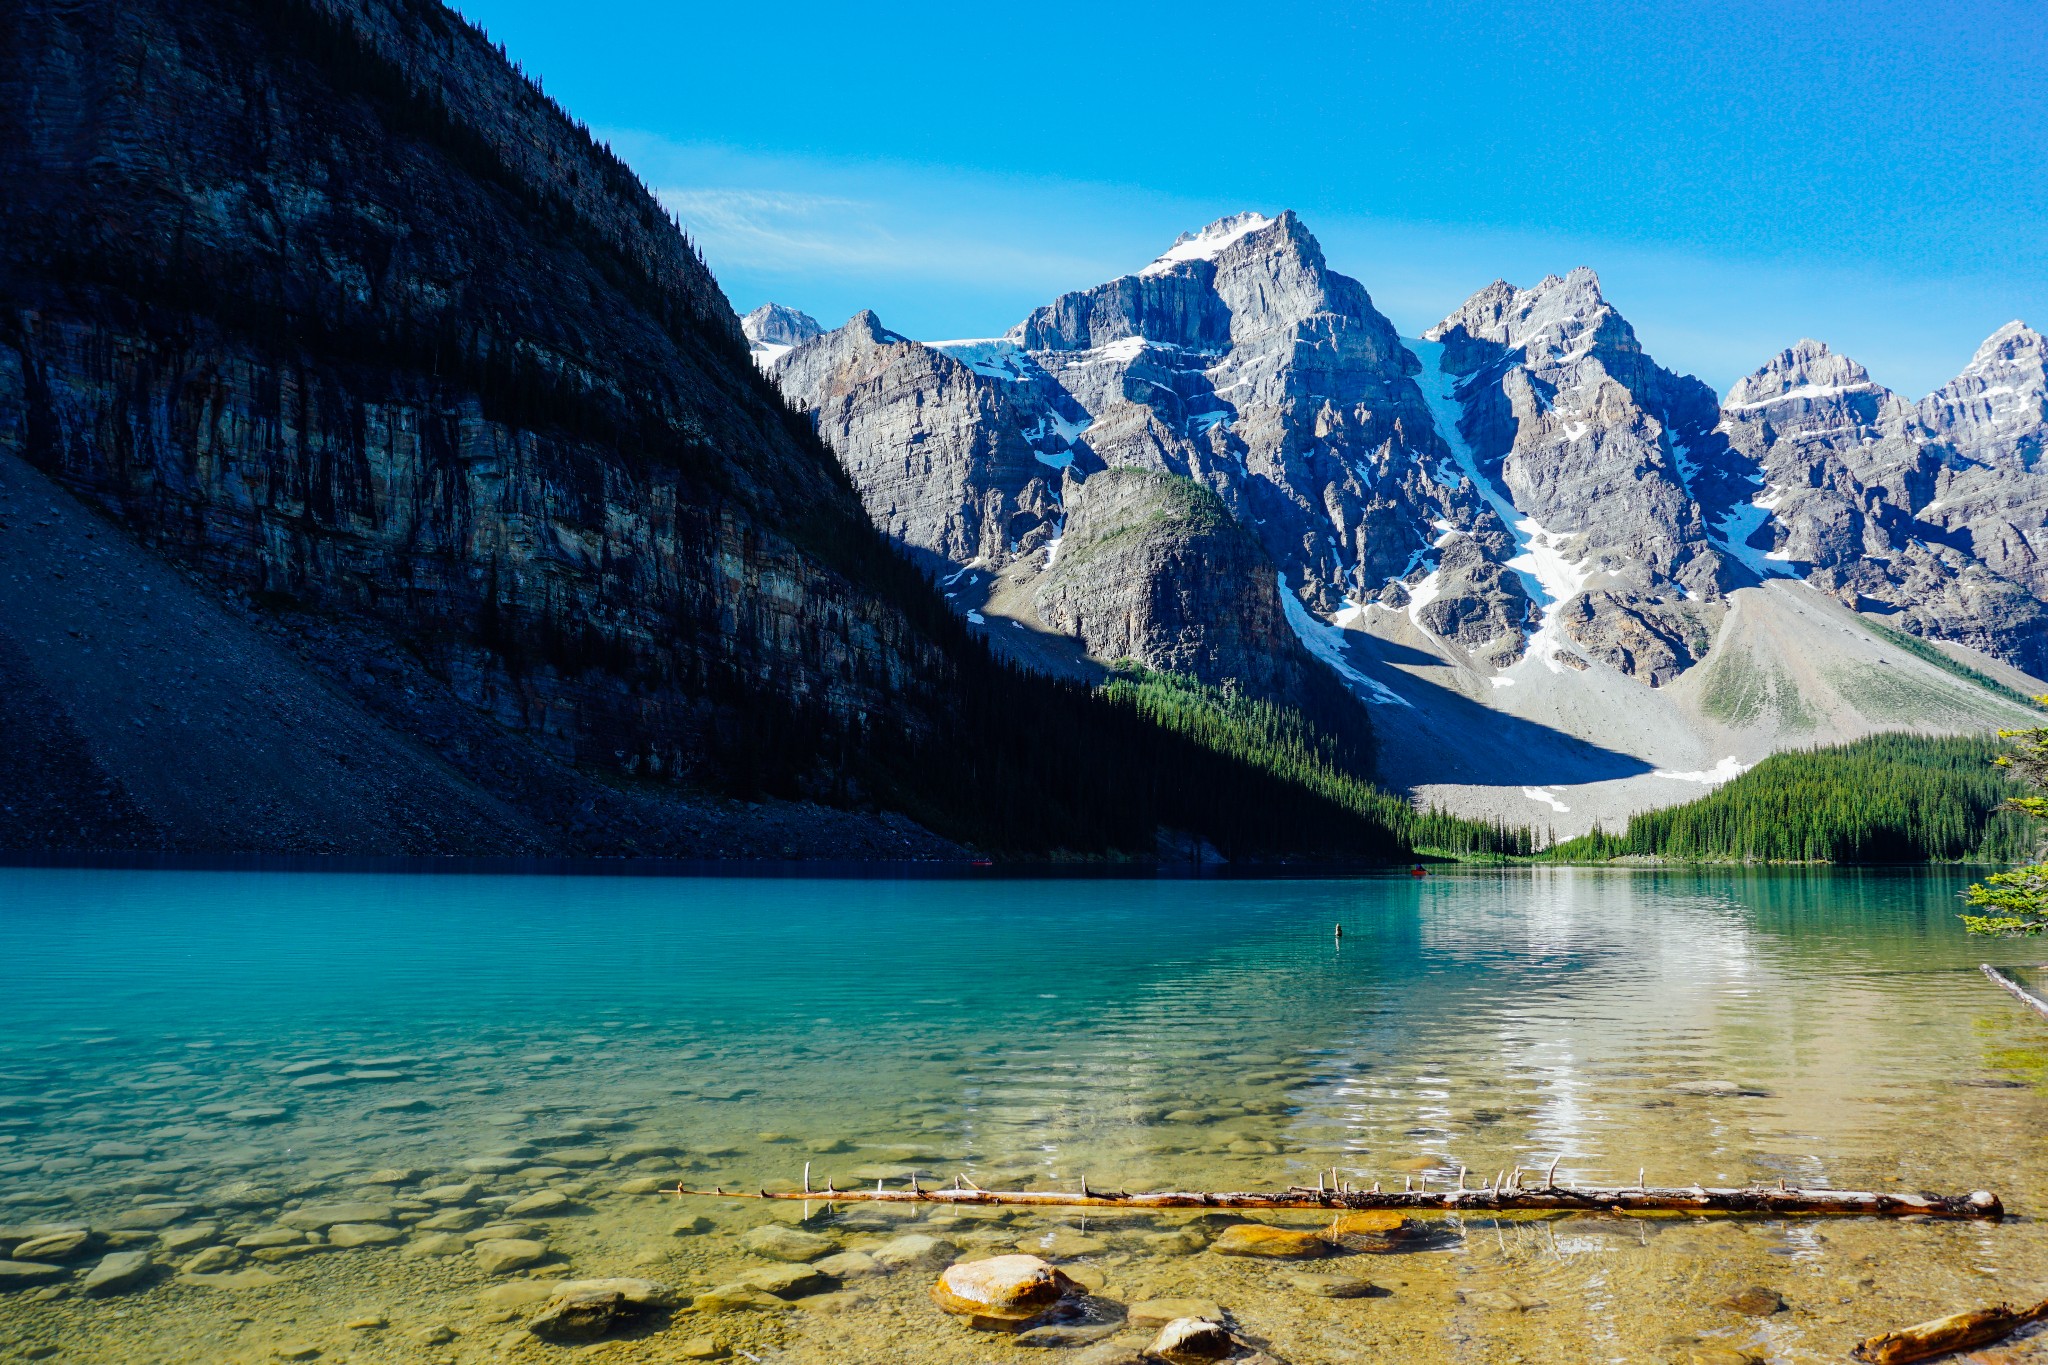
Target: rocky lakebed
{"points": [[416, 1119]]}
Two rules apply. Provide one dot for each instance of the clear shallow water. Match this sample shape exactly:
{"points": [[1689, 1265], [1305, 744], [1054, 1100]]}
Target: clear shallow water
{"points": [[224, 1047]]}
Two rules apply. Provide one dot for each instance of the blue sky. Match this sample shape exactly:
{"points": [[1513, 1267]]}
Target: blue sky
{"points": [[1740, 174]]}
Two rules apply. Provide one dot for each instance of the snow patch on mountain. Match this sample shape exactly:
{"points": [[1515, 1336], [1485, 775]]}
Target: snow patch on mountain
{"points": [[1209, 243], [1549, 577], [1326, 642], [1726, 770]]}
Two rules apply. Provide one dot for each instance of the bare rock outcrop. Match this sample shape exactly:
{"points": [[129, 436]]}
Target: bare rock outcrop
{"points": [[1152, 567], [1934, 513], [938, 451], [771, 330]]}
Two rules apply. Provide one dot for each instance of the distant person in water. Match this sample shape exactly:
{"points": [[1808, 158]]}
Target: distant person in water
{"points": [[1418, 871]]}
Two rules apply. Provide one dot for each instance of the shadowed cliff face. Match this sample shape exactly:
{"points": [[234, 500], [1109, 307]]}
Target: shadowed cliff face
{"points": [[424, 351], [323, 301]]}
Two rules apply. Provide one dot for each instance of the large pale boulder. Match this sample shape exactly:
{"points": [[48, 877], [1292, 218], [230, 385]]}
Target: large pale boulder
{"points": [[1002, 1291], [1185, 1341]]}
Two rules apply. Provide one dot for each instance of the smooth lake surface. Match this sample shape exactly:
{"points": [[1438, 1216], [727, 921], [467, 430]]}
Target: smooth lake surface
{"points": [[190, 1060]]}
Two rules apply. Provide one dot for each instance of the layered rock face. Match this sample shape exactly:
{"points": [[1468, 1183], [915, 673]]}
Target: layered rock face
{"points": [[1935, 512], [1153, 567], [1598, 449], [323, 300], [412, 396], [1237, 360], [1986, 428], [1523, 482], [938, 452]]}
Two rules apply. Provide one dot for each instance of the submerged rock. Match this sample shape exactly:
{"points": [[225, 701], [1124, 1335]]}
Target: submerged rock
{"points": [[1067, 1335], [118, 1272], [1756, 1301], [914, 1250], [67, 1245], [502, 1255], [732, 1298], [584, 1315], [779, 1243], [213, 1260], [847, 1265], [1063, 1243], [1264, 1240], [1336, 1286], [1001, 1291], [1716, 1089], [154, 1218], [1158, 1312], [542, 1203], [786, 1281], [636, 1292], [436, 1244], [252, 1278], [451, 1220], [362, 1235], [319, 1217], [15, 1274]]}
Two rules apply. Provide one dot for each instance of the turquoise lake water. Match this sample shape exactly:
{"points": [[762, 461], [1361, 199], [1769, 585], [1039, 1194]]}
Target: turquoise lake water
{"points": [[191, 1060]]}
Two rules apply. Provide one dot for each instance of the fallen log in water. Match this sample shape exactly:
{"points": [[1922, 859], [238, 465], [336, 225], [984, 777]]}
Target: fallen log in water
{"points": [[1504, 1193], [2018, 992], [1956, 1332]]}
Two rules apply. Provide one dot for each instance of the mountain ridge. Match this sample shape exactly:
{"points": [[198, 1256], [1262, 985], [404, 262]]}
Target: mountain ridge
{"points": [[1522, 488]]}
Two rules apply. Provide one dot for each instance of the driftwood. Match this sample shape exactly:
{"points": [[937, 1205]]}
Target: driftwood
{"points": [[2019, 992], [1505, 1192], [1956, 1332]]}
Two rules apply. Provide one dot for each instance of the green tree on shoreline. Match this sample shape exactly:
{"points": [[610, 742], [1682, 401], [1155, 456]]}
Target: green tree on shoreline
{"points": [[2016, 902]]}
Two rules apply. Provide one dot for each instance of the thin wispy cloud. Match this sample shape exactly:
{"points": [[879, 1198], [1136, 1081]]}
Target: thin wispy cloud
{"points": [[940, 252], [792, 233]]}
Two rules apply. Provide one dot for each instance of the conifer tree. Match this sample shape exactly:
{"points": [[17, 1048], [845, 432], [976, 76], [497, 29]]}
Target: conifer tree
{"points": [[2016, 902]]}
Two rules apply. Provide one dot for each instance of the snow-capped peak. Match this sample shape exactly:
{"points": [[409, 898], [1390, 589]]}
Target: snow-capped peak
{"points": [[2005, 346], [1805, 370], [1209, 243]]}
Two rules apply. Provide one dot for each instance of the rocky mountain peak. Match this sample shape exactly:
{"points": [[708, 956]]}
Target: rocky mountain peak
{"points": [[1805, 369], [1210, 242], [779, 326], [771, 330], [1560, 318], [2014, 343], [1997, 408], [867, 324]]}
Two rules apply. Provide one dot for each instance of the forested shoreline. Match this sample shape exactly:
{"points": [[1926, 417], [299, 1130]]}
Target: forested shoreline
{"points": [[1890, 798]]}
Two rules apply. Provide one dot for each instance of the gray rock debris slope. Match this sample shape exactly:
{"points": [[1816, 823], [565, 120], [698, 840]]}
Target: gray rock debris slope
{"points": [[1934, 513], [1237, 360]]}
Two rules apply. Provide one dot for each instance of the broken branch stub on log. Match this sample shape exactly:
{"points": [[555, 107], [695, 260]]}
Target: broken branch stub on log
{"points": [[1956, 1332], [1757, 1200]]}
